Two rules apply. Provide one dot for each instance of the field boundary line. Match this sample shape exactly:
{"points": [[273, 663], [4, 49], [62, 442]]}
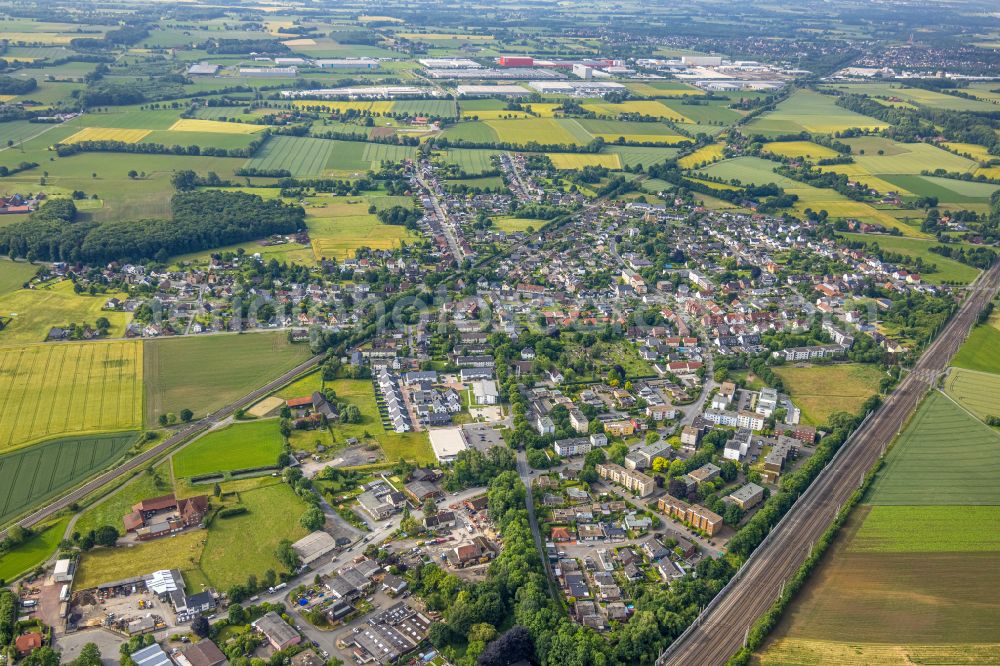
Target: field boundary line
{"points": [[962, 407]]}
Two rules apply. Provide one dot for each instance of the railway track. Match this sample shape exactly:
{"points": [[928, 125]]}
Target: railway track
{"points": [[722, 627]]}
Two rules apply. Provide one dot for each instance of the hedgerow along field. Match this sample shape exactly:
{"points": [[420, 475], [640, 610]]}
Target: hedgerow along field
{"points": [[33, 474], [236, 447], [205, 373], [976, 391], [56, 389]]}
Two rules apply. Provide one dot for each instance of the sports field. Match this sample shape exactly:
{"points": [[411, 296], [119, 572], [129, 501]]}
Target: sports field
{"points": [[205, 373], [235, 447], [810, 111], [34, 312], [574, 161], [58, 389], [976, 391], [981, 351], [108, 134], [33, 474], [822, 390]]}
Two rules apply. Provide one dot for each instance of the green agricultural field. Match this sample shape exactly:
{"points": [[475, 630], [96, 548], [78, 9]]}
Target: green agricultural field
{"points": [[981, 351], [33, 552], [947, 190], [541, 130], [13, 274], [948, 270], [476, 131], [470, 160], [928, 529], [810, 111], [438, 108], [301, 156], [944, 457], [129, 117], [376, 153], [31, 475], [245, 544], [912, 158], [225, 140], [645, 155], [34, 312], [517, 224], [919, 96], [822, 390], [976, 391], [68, 388], [18, 131], [348, 157], [705, 112], [103, 565], [235, 447], [491, 182], [110, 509], [205, 373]]}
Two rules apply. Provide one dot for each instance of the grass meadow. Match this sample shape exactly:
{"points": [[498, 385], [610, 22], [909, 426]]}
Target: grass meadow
{"points": [[810, 111], [38, 548], [59, 389], [822, 390], [235, 447], [206, 373]]}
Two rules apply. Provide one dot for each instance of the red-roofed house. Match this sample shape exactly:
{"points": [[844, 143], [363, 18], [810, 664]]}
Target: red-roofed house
{"points": [[25, 643]]}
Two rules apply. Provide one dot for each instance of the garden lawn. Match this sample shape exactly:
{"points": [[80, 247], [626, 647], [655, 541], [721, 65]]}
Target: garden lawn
{"points": [[236, 447], [822, 390], [205, 373]]}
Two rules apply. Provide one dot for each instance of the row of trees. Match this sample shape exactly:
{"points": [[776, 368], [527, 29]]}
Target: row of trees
{"points": [[201, 220]]}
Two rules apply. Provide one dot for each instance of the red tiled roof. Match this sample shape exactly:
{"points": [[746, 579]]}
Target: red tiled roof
{"points": [[299, 402], [28, 642], [156, 503]]}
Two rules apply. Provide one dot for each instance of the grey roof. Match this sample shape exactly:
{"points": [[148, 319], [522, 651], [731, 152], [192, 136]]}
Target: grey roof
{"points": [[151, 656]]}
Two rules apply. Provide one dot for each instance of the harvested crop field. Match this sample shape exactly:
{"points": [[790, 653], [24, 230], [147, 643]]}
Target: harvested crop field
{"points": [[573, 161], [198, 125], [108, 134]]}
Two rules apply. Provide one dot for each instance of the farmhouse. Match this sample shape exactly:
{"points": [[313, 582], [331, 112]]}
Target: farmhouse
{"points": [[165, 515]]}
